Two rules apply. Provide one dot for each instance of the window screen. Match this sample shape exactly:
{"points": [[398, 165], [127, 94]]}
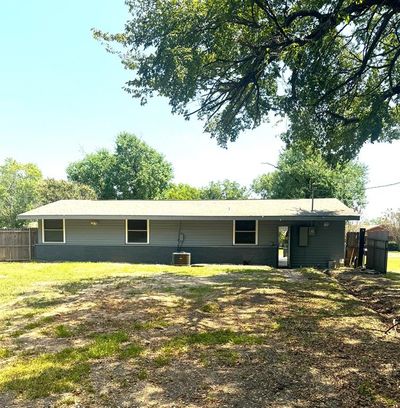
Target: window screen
{"points": [[245, 232], [137, 232], [53, 230]]}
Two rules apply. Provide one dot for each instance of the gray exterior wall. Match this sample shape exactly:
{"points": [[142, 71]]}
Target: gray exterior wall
{"points": [[162, 233], [156, 255], [327, 244], [207, 241]]}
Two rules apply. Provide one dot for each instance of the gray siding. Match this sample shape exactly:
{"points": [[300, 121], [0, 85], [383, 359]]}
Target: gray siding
{"points": [[157, 255], [326, 245], [106, 232], [208, 241], [268, 233], [196, 233], [162, 233]]}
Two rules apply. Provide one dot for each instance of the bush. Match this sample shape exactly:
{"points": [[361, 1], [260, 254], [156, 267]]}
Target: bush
{"points": [[393, 246]]}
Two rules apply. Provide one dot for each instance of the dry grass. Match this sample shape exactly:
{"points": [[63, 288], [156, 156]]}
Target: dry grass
{"points": [[158, 336]]}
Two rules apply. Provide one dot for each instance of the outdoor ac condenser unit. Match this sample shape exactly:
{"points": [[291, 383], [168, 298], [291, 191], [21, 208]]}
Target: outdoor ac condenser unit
{"points": [[181, 258]]}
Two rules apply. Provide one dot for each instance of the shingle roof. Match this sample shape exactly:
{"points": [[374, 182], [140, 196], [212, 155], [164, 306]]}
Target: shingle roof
{"points": [[193, 209]]}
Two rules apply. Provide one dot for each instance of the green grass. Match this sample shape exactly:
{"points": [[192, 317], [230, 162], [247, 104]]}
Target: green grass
{"points": [[211, 307], [216, 337], [106, 345], [65, 370], [45, 374], [131, 351], [183, 343], [150, 324], [227, 357], [394, 262], [21, 278], [162, 324], [62, 331], [4, 352], [32, 325]]}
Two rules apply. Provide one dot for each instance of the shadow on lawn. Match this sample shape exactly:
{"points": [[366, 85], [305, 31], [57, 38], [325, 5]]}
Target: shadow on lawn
{"points": [[249, 338]]}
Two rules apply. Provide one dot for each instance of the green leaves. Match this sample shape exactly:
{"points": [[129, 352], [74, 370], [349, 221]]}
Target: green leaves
{"points": [[51, 190], [332, 68], [182, 191], [19, 185], [224, 190], [215, 190], [133, 171], [303, 170]]}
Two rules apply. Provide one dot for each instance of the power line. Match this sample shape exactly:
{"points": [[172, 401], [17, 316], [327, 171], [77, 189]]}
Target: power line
{"points": [[367, 188], [383, 185]]}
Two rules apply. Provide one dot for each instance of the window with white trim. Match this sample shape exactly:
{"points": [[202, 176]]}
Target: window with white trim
{"points": [[53, 231], [137, 231], [245, 232]]}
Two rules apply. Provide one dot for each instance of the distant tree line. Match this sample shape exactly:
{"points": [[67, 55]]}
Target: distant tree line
{"points": [[134, 170], [391, 220], [22, 187]]}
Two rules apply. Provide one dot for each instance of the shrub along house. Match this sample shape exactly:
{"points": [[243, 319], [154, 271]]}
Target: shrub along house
{"points": [[213, 231]]}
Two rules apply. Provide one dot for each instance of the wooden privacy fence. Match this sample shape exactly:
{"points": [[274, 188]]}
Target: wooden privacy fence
{"points": [[354, 255], [17, 244], [377, 255], [377, 251]]}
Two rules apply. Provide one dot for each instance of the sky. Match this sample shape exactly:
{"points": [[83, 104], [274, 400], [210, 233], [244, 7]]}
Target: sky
{"points": [[61, 97]]}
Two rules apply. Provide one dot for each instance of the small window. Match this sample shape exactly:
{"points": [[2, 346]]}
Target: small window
{"points": [[137, 231], [53, 231], [245, 232]]}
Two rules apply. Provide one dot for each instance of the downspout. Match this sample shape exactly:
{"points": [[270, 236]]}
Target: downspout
{"points": [[181, 237]]}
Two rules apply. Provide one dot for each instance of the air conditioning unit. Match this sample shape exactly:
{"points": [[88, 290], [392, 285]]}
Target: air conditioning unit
{"points": [[181, 258]]}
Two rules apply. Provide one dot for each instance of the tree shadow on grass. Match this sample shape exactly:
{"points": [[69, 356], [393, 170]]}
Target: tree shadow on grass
{"points": [[271, 342]]}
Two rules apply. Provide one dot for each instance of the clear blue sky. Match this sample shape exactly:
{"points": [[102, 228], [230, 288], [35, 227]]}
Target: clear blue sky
{"points": [[61, 97]]}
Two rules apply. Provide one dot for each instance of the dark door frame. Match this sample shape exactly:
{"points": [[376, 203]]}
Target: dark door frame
{"points": [[289, 246]]}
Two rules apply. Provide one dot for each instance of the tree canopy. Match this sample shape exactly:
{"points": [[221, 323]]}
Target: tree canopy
{"points": [[299, 171], [19, 191], [332, 68], [391, 219], [224, 190], [134, 170], [182, 191], [214, 190], [51, 190]]}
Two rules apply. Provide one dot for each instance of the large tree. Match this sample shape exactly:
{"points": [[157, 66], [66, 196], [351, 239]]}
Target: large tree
{"points": [[97, 171], [182, 191], [301, 173], [332, 67], [51, 190], [19, 191], [134, 170], [224, 190]]}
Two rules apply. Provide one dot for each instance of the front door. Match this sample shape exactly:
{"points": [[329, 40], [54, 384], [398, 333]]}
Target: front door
{"points": [[283, 246]]}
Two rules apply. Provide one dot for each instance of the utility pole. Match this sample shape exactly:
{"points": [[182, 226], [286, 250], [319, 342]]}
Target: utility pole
{"points": [[312, 196]]}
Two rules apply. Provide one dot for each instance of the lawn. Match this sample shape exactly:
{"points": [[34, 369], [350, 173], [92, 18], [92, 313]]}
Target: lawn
{"points": [[394, 261], [119, 335]]}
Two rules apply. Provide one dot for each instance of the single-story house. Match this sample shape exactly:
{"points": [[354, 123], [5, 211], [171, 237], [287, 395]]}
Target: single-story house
{"points": [[213, 231]]}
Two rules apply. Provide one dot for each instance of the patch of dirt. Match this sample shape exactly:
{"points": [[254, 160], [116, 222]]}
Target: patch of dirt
{"points": [[377, 291], [314, 345], [293, 275]]}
